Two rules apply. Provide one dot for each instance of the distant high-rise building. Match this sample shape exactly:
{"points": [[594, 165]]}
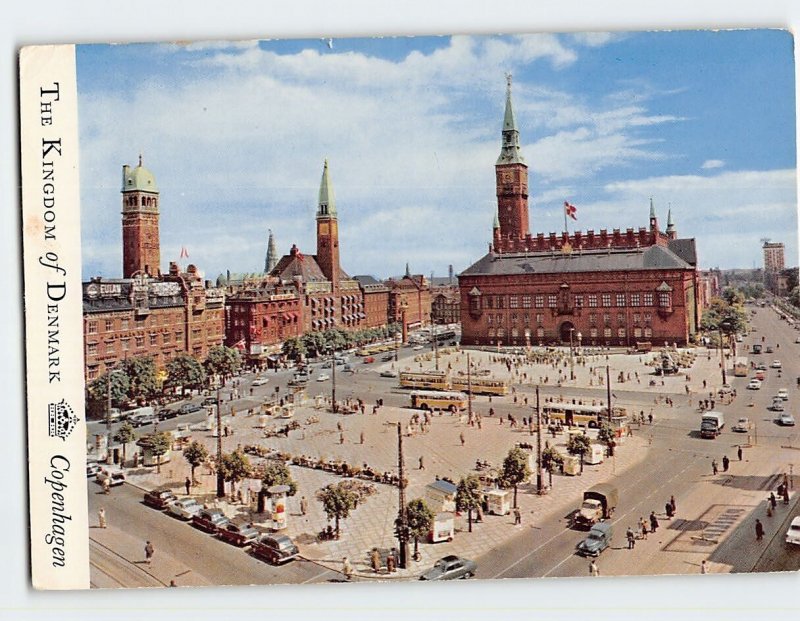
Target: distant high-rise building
{"points": [[773, 256]]}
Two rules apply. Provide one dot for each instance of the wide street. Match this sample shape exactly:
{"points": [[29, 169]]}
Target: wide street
{"points": [[715, 514]]}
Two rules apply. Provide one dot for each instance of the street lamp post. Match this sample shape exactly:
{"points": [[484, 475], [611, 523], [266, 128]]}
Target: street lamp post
{"points": [[333, 380], [539, 482], [220, 473], [108, 412], [725, 325], [571, 355]]}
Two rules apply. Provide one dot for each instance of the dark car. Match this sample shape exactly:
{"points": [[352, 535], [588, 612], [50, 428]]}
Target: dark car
{"points": [[190, 408], [166, 413], [210, 520], [275, 549], [388, 358], [210, 401], [238, 534], [450, 568], [769, 349], [599, 539], [159, 498]]}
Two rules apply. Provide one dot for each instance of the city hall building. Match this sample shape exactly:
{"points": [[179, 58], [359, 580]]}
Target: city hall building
{"points": [[595, 288]]}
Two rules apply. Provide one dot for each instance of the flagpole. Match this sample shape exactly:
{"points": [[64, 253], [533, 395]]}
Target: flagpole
{"points": [[566, 230]]}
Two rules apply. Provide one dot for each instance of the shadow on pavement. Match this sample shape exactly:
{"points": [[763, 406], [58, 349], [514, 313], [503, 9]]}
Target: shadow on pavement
{"points": [[752, 483]]}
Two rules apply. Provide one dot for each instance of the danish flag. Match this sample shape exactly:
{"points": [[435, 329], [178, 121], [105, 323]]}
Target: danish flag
{"points": [[241, 345], [570, 210], [184, 253]]}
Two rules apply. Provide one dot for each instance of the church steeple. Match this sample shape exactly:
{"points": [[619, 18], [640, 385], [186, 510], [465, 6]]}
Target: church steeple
{"points": [[272, 254], [327, 230], [653, 219], [510, 152], [672, 233], [327, 200]]}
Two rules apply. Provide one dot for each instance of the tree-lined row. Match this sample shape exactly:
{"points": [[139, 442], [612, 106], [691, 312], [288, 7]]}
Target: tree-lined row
{"points": [[319, 343]]}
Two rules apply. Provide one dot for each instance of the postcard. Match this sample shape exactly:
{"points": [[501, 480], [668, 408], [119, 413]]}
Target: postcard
{"points": [[417, 308]]}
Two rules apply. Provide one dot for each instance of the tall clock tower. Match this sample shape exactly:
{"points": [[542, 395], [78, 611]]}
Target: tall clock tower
{"points": [[512, 178], [141, 248], [327, 230]]}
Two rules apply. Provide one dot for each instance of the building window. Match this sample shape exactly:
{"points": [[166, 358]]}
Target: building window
{"points": [[606, 300], [637, 319], [514, 333], [501, 301], [648, 332], [92, 373], [593, 333], [179, 337], [635, 299], [126, 344], [664, 299], [491, 333], [489, 319], [539, 301], [109, 325], [526, 301], [513, 301], [166, 338], [489, 301], [540, 332], [607, 333], [91, 327], [648, 299], [648, 318], [606, 319], [500, 333], [526, 319], [578, 301], [513, 318], [621, 319], [91, 349], [539, 318], [139, 342], [592, 300], [125, 324], [592, 319], [621, 333], [637, 333], [552, 300], [620, 299], [499, 318], [154, 339]]}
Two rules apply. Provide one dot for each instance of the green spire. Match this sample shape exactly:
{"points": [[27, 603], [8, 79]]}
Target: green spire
{"points": [[408, 272], [510, 153], [327, 201], [670, 223], [652, 208]]}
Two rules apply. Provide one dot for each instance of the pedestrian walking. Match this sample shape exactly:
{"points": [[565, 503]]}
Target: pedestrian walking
{"points": [[631, 538], [375, 560], [188, 484], [303, 506], [714, 466], [785, 494], [759, 530], [391, 561], [421, 463], [643, 527], [594, 570], [773, 502], [362, 437], [739, 453], [341, 438], [668, 510], [517, 516], [101, 518], [463, 439], [704, 567], [106, 486], [653, 522], [347, 568], [149, 550], [673, 505], [725, 463]]}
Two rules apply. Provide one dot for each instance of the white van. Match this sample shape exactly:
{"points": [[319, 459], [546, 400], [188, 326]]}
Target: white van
{"points": [[142, 416]]}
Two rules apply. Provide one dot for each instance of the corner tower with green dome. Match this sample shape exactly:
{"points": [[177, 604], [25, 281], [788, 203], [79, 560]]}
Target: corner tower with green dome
{"points": [[141, 247]]}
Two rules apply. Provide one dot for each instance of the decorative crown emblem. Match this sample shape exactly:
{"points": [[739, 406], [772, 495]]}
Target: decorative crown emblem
{"points": [[61, 419]]}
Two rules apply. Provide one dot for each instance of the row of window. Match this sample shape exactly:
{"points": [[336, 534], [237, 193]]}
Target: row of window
{"points": [[593, 300], [593, 333], [166, 338], [525, 318], [139, 324]]}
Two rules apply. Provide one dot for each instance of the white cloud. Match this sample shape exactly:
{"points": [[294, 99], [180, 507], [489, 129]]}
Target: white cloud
{"points": [[708, 164]]}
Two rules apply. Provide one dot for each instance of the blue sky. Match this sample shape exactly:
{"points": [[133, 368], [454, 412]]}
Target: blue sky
{"points": [[236, 135]]}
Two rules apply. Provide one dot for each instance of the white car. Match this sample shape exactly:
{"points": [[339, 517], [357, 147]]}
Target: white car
{"points": [[793, 534], [260, 381], [786, 420], [797, 340], [777, 405], [754, 385], [776, 364], [115, 476], [742, 425], [783, 394], [323, 377], [419, 348], [184, 508]]}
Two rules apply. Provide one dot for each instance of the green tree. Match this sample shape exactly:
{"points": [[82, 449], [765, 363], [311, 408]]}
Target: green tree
{"points": [[196, 453], [120, 385], [607, 436], [794, 296], [515, 469], [294, 348], [733, 296], [468, 496], [158, 444], [223, 361], [142, 376], [314, 342], [419, 517], [721, 315], [186, 372], [337, 502], [578, 444], [277, 473], [235, 467], [125, 434], [334, 339], [551, 459]]}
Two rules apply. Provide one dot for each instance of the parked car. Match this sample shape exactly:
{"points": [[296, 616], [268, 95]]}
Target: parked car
{"points": [[777, 405], [769, 349], [776, 364], [298, 382], [388, 373], [210, 520], [387, 358], [92, 468], [369, 359], [783, 393], [450, 568], [238, 534], [209, 401], [190, 408], [419, 347], [260, 381], [793, 534], [166, 413], [786, 420], [742, 425], [323, 377], [142, 418], [797, 340], [115, 476], [754, 384], [726, 389], [275, 549], [348, 369], [761, 367], [184, 508], [159, 498]]}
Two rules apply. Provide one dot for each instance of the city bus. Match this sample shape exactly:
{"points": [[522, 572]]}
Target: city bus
{"points": [[571, 414], [741, 367], [434, 400], [480, 385], [430, 380]]}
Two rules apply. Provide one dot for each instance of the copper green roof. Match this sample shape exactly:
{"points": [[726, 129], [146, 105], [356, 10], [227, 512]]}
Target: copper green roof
{"points": [[138, 178], [327, 201], [510, 152]]}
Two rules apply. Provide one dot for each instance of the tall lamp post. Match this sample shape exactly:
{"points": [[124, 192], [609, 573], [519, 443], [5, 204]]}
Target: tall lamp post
{"points": [[723, 326], [108, 412], [220, 473], [571, 355], [333, 380]]}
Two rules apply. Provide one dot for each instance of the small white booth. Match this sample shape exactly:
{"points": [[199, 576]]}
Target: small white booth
{"points": [[498, 501], [443, 527], [594, 455], [441, 496], [277, 495]]}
